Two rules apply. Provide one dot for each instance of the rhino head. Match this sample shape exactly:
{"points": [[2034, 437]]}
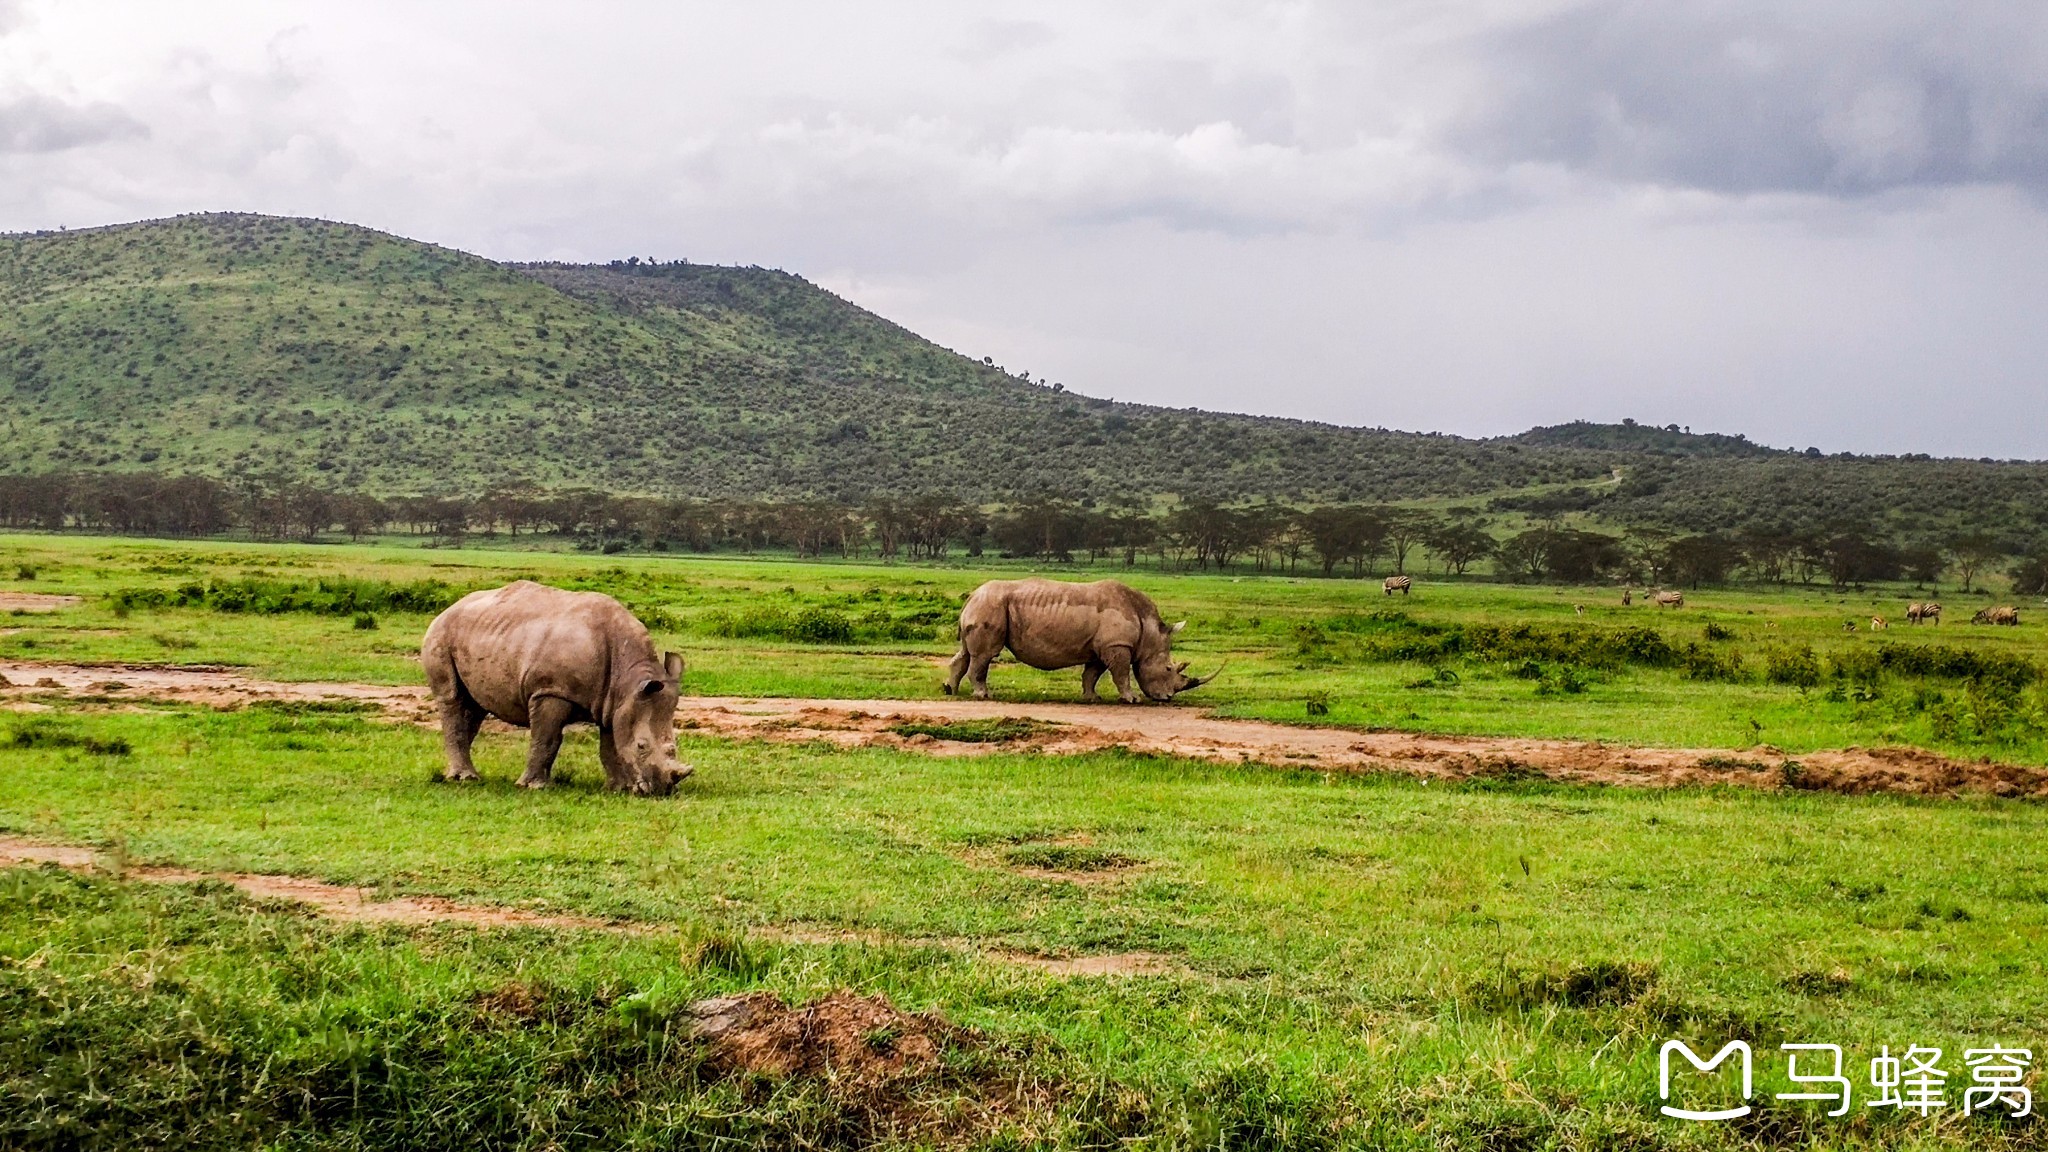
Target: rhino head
{"points": [[643, 729], [1157, 673]]}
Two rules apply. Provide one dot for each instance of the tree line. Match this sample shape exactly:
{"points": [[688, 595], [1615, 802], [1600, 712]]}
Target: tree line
{"points": [[1351, 540]]}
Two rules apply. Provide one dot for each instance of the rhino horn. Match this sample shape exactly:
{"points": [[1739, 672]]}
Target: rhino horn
{"points": [[1198, 681]]}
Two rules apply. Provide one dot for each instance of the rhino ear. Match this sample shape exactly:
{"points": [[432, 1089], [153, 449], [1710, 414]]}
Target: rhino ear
{"points": [[1174, 629], [672, 663]]}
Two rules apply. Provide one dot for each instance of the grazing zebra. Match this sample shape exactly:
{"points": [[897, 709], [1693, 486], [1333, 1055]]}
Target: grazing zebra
{"points": [[2005, 614], [1915, 613], [1670, 599], [1395, 584]]}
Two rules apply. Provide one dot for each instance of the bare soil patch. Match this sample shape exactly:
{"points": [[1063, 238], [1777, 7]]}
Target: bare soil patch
{"points": [[333, 901], [1057, 729], [899, 1076], [36, 602]]}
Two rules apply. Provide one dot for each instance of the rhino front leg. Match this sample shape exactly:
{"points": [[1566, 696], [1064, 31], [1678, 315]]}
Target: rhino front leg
{"points": [[1119, 662], [547, 716], [1089, 675], [460, 719], [615, 776]]}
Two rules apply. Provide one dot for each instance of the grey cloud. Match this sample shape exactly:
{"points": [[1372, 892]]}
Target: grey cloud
{"points": [[1834, 99], [13, 14], [1180, 95], [37, 123]]}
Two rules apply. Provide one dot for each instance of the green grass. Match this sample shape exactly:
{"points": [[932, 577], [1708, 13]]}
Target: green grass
{"points": [[1385, 961], [1360, 961], [1290, 640]]}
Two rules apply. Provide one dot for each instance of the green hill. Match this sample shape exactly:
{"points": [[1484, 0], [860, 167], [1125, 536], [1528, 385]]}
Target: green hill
{"points": [[225, 343], [232, 345]]}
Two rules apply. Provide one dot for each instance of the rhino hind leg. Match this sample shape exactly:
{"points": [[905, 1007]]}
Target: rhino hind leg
{"points": [[461, 717], [546, 717], [1089, 675], [956, 670], [977, 674]]}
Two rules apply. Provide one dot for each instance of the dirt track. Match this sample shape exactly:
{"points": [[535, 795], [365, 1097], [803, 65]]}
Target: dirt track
{"points": [[369, 906], [1177, 731]]}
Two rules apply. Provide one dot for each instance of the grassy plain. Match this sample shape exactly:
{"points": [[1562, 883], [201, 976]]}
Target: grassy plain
{"points": [[1287, 638], [1357, 961]]}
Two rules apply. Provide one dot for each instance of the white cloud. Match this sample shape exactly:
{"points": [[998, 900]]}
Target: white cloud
{"points": [[1463, 216]]}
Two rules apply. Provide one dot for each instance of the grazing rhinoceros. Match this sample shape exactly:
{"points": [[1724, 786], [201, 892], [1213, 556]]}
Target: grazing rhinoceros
{"points": [[543, 658], [1101, 627]]}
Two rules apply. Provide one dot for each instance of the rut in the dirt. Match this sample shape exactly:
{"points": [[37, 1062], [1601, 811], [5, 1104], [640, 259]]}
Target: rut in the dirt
{"points": [[359, 905], [960, 727]]}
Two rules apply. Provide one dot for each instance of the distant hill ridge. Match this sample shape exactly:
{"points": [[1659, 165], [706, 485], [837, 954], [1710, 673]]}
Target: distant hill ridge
{"points": [[226, 343]]}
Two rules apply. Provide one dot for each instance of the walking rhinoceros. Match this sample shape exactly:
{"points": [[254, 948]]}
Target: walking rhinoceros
{"points": [[543, 658], [1101, 627]]}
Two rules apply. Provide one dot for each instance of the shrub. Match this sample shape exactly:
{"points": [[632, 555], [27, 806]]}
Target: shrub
{"points": [[1317, 703], [24, 572], [1719, 632], [1798, 667], [1699, 662], [334, 596], [821, 626], [365, 622]]}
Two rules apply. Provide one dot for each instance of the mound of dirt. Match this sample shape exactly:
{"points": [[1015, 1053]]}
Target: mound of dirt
{"points": [[891, 1076], [855, 1039]]}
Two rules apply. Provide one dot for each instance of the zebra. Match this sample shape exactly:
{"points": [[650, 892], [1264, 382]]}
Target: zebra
{"points": [[1915, 613], [1395, 584], [1670, 599]]}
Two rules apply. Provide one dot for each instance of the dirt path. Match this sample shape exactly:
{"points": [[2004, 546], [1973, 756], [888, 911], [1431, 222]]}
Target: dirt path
{"points": [[355, 905], [1058, 728], [36, 602]]}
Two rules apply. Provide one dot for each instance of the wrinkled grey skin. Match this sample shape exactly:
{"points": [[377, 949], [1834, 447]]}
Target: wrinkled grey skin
{"points": [[1100, 627], [543, 658]]}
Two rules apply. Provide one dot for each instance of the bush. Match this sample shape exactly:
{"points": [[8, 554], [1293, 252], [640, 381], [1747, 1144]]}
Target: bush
{"points": [[821, 626], [1798, 667], [335, 596], [1719, 632], [1699, 662], [365, 622], [24, 572]]}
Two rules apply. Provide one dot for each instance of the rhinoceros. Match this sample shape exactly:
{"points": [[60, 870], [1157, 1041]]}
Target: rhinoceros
{"points": [[1101, 627], [543, 658]]}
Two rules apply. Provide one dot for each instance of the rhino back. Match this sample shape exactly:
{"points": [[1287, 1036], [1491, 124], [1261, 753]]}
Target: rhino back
{"points": [[508, 645], [1054, 624]]}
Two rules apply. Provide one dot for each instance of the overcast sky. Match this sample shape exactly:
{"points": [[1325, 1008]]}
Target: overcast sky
{"points": [[1813, 222]]}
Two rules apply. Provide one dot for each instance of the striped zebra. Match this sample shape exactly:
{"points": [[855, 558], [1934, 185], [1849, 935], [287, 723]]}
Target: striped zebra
{"points": [[1670, 599], [1395, 584]]}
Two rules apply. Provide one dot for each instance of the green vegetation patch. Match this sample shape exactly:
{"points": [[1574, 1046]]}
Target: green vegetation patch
{"points": [[48, 734], [1067, 858], [328, 596], [993, 730]]}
